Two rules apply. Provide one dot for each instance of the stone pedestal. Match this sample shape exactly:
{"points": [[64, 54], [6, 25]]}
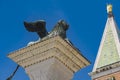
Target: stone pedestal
{"points": [[51, 59]]}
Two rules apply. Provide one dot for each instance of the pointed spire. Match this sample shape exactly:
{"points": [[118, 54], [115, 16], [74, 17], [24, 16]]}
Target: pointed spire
{"points": [[109, 50]]}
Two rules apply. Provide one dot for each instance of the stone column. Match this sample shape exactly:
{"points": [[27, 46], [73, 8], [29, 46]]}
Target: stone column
{"points": [[51, 59], [50, 69]]}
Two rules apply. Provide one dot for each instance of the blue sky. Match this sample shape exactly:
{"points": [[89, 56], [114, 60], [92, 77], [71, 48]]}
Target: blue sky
{"points": [[86, 18]]}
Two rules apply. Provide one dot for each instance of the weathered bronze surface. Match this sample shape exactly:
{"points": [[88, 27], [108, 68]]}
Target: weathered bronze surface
{"points": [[39, 27]]}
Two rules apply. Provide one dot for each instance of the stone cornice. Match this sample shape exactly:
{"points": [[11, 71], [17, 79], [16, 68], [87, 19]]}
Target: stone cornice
{"points": [[105, 70], [53, 47]]}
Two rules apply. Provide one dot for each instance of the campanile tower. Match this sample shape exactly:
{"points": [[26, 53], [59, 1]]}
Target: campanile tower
{"points": [[107, 63]]}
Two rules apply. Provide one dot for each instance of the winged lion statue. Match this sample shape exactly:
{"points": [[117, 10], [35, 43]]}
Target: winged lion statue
{"points": [[40, 28]]}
